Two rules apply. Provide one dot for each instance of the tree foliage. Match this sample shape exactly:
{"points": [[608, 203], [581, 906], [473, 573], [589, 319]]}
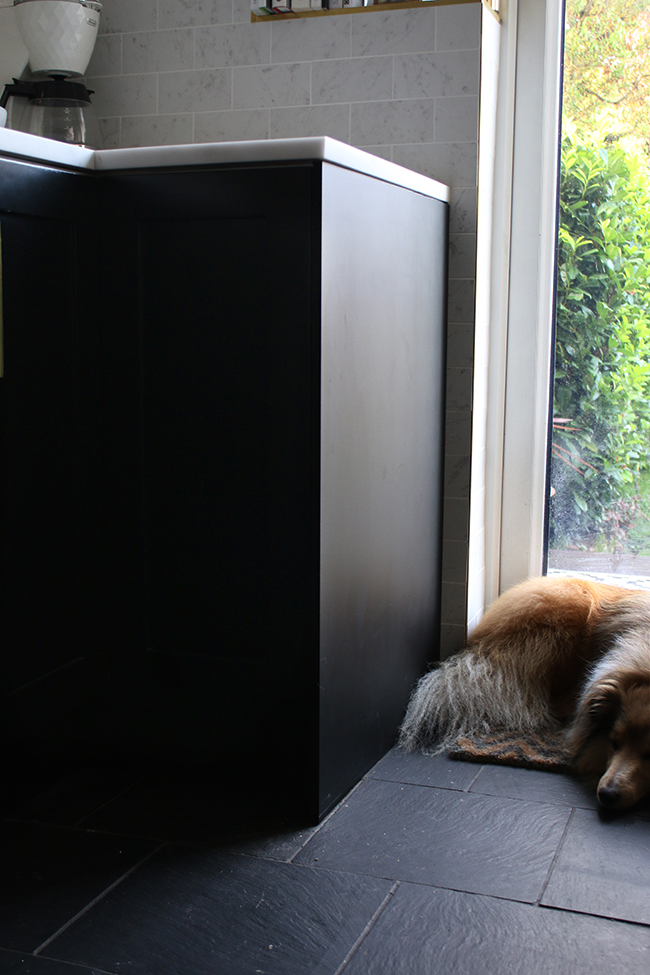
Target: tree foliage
{"points": [[607, 68], [602, 363]]}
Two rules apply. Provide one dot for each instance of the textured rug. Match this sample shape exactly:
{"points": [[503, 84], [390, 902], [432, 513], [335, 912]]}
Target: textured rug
{"points": [[544, 752]]}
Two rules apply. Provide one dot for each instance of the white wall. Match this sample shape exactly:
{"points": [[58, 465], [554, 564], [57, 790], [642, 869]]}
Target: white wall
{"points": [[403, 84]]}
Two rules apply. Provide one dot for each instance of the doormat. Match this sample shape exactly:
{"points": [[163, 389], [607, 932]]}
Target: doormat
{"points": [[537, 751]]}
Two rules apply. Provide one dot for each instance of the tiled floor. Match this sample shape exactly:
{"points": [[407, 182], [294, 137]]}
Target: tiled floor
{"points": [[429, 866]]}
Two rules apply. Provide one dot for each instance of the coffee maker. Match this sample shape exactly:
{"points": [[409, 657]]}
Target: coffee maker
{"points": [[60, 36]]}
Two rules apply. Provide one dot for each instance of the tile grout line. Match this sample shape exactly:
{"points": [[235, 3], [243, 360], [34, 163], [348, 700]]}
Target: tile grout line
{"points": [[474, 779], [73, 964], [601, 917], [103, 805], [555, 857], [465, 890], [484, 795], [15, 817], [325, 820], [50, 673], [96, 900], [442, 788], [369, 926], [82, 968]]}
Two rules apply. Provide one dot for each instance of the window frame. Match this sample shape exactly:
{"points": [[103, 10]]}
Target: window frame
{"points": [[523, 291]]}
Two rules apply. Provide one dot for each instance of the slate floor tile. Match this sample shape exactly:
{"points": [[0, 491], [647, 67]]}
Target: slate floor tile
{"points": [[439, 932], [77, 796], [197, 913], [522, 783], [434, 770], [442, 838], [15, 963], [401, 870], [603, 868], [642, 809], [47, 875], [203, 812]]}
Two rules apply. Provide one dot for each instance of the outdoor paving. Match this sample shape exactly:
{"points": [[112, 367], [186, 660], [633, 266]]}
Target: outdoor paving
{"points": [[628, 571]]}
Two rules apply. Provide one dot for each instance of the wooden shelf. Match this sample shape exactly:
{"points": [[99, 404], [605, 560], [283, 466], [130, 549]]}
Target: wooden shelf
{"points": [[385, 5]]}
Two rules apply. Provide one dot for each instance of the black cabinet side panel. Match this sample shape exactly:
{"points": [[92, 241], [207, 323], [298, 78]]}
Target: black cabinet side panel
{"points": [[382, 393]]}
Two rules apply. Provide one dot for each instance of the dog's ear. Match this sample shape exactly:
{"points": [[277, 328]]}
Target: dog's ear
{"points": [[602, 702], [596, 713]]}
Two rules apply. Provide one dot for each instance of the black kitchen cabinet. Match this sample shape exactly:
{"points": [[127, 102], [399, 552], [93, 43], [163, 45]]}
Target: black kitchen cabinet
{"points": [[48, 535], [229, 434]]}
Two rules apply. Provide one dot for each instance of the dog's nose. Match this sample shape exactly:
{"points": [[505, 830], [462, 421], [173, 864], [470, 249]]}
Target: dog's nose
{"points": [[608, 796]]}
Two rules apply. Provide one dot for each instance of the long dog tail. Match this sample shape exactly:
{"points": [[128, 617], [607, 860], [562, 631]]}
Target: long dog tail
{"points": [[467, 695]]}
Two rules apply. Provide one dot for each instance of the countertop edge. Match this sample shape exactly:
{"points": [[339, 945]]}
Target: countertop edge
{"points": [[36, 149], [272, 150]]}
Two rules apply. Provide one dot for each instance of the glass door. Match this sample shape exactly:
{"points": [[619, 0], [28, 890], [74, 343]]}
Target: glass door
{"points": [[599, 505]]}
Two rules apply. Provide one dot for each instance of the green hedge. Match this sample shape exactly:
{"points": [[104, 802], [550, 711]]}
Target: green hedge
{"points": [[602, 362]]}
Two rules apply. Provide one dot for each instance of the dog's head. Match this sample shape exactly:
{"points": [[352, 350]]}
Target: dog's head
{"points": [[610, 740]]}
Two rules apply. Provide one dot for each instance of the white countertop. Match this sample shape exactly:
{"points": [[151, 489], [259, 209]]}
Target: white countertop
{"points": [[33, 147], [44, 150]]}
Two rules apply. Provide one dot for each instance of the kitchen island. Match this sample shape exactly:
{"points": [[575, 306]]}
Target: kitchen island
{"points": [[223, 423]]}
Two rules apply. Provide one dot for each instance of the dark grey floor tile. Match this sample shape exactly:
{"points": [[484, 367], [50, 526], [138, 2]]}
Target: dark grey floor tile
{"points": [[537, 786], [205, 812], [15, 963], [270, 843], [438, 932], [47, 875], [77, 796], [642, 809], [603, 868], [443, 838], [521, 783], [198, 912], [434, 770]]}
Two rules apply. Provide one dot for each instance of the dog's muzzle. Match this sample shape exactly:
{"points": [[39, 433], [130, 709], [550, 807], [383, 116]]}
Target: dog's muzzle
{"points": [[608, 796]]}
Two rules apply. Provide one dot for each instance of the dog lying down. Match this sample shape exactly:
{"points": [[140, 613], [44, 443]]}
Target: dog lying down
{"points": [[550, 654]]}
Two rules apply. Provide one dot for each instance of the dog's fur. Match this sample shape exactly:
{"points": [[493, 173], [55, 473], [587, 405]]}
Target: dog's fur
{"points": [[551, 654]]}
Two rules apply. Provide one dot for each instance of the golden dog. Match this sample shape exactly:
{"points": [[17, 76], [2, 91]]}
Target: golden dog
{"points": [[550, 654]]}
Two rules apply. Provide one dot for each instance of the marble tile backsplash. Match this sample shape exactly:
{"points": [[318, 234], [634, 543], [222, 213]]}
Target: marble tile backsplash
{"points": [[398, 77], [403, 84]]}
